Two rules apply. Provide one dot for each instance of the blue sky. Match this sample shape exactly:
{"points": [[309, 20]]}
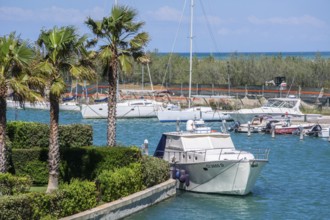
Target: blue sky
{"points": [[219, 25]]}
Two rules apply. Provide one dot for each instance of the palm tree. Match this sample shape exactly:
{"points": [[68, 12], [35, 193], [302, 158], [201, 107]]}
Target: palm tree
{"points": [[15, 57], [123, 40], [63, 52]]}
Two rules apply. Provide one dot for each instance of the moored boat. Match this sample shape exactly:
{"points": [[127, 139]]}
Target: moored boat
{"points": [[318, 131], [289, 107], [137, 108], [206, 161]]}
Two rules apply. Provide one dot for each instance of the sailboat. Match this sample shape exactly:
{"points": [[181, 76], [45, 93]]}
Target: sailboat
{"points": [[132, 108], [191, 113]]}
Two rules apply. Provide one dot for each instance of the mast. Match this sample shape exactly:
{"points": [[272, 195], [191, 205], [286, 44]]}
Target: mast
{"points": [[191, 44]]}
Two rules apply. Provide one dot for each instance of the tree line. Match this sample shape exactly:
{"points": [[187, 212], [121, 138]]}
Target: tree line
{"points": [[239, 69]]}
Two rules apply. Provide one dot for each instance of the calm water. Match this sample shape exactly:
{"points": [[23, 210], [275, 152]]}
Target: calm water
{"points": [[293, 185]]}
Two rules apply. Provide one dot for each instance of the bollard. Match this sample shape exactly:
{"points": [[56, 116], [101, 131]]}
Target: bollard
{"points": [[273, 130], [305, 118], [146, 151], [249, 128], [329, 135], [224, 126], [301, 129], [177, 125]]}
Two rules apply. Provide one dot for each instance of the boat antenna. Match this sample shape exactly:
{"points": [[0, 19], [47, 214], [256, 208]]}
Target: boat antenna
{"points": [[191, 44]]}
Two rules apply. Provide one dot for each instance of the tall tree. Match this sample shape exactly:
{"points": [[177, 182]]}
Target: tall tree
{"points": [[123, 40], [15, 57], [63, 52]]}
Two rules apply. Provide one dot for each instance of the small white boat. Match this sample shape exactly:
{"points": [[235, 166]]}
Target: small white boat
{"points": [[136, 108], [257, 124], [206, 161], [70, 106]]}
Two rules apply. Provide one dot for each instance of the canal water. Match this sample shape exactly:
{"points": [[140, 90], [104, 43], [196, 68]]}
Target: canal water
{"points": [[295, 184]]}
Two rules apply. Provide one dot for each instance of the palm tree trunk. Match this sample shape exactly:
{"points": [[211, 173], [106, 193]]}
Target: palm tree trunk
{"points": [[3, 121], [54, 153], [112, 79]]}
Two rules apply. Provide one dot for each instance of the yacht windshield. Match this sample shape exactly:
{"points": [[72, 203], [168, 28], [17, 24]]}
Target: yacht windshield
{"points": [[280, 103]]}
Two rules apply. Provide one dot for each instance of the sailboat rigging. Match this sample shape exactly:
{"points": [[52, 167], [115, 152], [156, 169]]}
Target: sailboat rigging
{"points": [[191, 113]]}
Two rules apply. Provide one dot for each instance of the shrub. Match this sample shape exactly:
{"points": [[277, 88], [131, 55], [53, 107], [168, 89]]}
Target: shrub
{"points": [[45, 206], [11, 185], [15, 207], [154, 171], [78, 196], [78, 162], [31, 162], [31, 134], [120, 182]]}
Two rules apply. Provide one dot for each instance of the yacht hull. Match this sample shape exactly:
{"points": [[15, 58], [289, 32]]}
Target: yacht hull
{"points": [[233, 177], [124, 110], [191, 114]]}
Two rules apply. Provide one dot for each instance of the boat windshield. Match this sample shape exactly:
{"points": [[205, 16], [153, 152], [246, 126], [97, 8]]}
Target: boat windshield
{"points": [[274, 103]]}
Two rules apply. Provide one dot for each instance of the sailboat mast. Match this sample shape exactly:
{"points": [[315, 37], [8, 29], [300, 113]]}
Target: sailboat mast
{"points": [[191, 44]]}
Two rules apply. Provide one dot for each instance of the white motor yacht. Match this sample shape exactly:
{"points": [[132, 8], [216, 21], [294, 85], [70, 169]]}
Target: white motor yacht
{"points": [[289, 107], [206, 161]]}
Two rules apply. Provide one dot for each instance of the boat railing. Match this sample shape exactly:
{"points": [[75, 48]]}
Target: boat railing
{"points": [[194, 156]]}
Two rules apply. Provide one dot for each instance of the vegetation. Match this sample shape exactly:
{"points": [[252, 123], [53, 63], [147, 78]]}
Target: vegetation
{"points": [[28, 135], [15, 57], [62, 52], [123, 41], [79, 195], [172, 69]]}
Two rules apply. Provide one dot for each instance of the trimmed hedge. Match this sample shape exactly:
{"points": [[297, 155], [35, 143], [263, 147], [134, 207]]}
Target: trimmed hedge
{"points": [[12, 185], [82, 195], [32, 134], [77, 196], [154, 171], [79, 162], [70, 199], [120, 182]]}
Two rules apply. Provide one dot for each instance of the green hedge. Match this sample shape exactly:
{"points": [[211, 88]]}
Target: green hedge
{"points": [[82, 195], [70, 199], [32, 134], [120, 182], [79, 162], [11, 185], [154, 171]]}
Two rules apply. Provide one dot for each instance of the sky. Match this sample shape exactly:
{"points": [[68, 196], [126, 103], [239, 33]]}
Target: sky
{"points": [[218, 25]]}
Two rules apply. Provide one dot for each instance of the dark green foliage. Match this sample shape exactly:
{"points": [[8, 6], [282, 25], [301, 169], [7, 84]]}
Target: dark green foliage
{"points": [[32, 134], [28, 134], [45, 206], [12, 185], [78, 196], [154, 171], [88, 162], [31, 162], [15, 207], [70, 199], [78, 162], [120, 182], [75, 135]]}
